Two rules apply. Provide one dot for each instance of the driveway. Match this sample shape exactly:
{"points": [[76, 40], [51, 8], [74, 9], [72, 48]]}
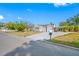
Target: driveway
{"points": [[44, 36]]}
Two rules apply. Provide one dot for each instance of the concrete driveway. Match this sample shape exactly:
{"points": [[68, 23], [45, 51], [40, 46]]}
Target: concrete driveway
{"points": [[44, 36]]}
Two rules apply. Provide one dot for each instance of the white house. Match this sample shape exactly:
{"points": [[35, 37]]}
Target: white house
{"points": [[44, 28]]}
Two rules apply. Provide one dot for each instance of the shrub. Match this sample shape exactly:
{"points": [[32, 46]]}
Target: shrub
{"points": [[10, 26], [20, 26]]}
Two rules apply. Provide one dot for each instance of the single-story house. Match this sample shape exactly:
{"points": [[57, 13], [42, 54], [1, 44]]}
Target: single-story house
{"points": [[43, 28]]}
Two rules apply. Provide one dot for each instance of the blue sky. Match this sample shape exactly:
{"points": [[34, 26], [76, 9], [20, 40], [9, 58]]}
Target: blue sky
{"points": [[38, 13]]}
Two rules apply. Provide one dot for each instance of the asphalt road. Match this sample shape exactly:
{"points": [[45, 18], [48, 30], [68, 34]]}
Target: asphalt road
{"points": [[9, 42], [42, 48], [37, 46]]}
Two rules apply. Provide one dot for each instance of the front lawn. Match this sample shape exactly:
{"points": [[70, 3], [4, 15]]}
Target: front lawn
{"points": [[71, 39]]}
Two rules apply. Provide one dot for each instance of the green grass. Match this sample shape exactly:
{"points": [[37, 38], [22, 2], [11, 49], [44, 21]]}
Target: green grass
{"points": [[71, 39]]}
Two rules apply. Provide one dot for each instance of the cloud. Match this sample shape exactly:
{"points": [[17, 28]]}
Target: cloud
{"points": [[29, 10], [19, 17], [1, 17], [61, 4]]}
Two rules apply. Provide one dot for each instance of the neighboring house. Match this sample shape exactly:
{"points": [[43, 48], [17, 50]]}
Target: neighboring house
{"points": [[6, 30], [3, 29], [43, 28], [35, 28]]}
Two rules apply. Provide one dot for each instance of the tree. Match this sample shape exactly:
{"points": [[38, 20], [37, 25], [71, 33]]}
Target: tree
{"points": [[51, 23], [10, 25], [76, 19], [21, 26], [71, 24], [64, 24], [76, 28], [1, 24]]}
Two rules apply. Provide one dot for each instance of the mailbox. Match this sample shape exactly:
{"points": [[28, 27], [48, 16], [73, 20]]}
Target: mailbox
{"points": [[50, 34]]}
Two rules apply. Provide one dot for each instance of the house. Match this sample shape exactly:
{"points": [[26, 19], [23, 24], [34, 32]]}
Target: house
{"points": [[44, 28]]}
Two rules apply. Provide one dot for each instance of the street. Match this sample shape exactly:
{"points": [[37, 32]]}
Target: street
{"points": [[37, 46], [9, 42], [41, 48]]}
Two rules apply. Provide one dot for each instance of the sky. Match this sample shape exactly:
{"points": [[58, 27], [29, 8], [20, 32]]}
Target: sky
{"points": [[38, 13]]}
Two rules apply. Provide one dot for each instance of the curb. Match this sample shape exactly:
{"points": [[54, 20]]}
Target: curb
{"points": [[62, 45]]}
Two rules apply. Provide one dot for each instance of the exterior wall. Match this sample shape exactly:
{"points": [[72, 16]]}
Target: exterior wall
{"points": [[49, 27], [44, 28]]}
